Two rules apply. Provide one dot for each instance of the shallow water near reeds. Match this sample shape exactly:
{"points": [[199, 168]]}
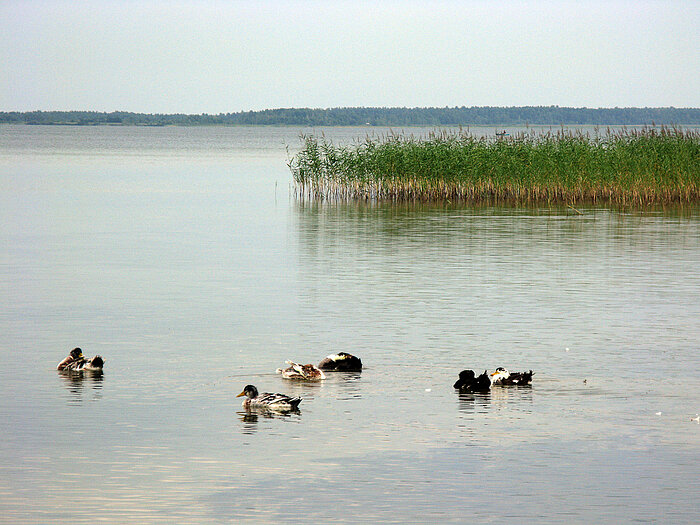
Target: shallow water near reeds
{"points": [[182, 256]]}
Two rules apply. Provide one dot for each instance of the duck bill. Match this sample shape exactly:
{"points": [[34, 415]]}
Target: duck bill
{"points": [[241, 394]]}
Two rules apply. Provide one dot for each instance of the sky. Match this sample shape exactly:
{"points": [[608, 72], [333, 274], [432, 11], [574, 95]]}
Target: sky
{"points": [[213, 56]]}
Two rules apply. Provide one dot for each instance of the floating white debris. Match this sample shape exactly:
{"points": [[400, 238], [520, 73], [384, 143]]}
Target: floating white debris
{"points": [[428, 389], [658, 413], [696, 418], [567, 349]]}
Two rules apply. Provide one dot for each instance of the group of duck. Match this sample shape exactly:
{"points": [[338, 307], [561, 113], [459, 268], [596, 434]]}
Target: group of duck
{"points": [[77, 362], [340, 362], [468, 381]]}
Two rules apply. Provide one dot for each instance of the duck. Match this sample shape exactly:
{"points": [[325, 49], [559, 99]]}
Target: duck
{"points": [[77, 362], [504, 378], [268, 401], [341, 362], [301, 372], [468, 382]]}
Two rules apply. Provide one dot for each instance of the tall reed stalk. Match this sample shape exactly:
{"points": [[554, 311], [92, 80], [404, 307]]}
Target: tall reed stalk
{"points": [[629, 167]]}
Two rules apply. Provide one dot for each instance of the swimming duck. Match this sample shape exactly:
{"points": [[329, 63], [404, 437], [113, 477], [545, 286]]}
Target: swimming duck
{"points": [[468, 382], [341, 362], [502, 377], [301, 372], [268, 401], [76, 362]]}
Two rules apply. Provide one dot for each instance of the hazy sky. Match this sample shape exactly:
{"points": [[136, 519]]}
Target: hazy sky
{"points": [[226, 56]]}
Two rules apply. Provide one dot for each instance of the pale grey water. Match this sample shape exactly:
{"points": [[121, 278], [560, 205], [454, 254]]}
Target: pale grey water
{"points": [[181, 255]]}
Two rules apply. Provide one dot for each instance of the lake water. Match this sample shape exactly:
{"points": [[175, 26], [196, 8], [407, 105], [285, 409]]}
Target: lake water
{"points": [[183, 257]]}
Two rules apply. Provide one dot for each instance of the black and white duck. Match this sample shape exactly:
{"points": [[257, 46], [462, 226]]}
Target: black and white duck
{"points": [[301, 372], [77, 362], [268, 401], [505, 378], [341, 362], [469, 382]]}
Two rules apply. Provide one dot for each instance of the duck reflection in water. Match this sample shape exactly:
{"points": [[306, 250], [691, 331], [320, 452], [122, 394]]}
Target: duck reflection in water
{"points": [[251, 417], [250, 421], [474, 402], [349, 385], [516, 399], [76, 382]]}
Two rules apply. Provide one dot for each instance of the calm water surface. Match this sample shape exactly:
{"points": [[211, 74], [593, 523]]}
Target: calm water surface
{"points": [[182, 257]]}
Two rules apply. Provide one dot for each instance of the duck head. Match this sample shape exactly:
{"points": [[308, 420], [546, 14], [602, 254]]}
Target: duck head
{"points": [[250, 391], [467, 375], [75, 355], [95, 363], [466, 379], [500, 373]]}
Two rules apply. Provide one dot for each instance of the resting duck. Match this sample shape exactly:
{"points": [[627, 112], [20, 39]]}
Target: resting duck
{"points": [[267, 401], [301, 372], [76, 362], [341, 362], [468, 382], [502, 377]]}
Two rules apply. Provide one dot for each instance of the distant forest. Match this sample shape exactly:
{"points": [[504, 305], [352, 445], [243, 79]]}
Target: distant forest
{"points": [[447, 116]]}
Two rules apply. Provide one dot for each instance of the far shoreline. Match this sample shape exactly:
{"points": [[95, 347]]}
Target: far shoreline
{"points": [[374, 117]]}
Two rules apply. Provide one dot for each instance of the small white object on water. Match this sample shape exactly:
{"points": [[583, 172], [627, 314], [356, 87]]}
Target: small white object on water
{"points": [[696, 418], [428, 389], [658, 413], [567, 349]]}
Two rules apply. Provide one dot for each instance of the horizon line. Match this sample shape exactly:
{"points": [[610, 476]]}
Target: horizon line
{"points": [[346, 107]]}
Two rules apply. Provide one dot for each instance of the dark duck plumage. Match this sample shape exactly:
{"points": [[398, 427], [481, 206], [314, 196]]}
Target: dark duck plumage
{"points": [[77, 362], [468, 382], [504, 378], [341, 362], [268, 401]]}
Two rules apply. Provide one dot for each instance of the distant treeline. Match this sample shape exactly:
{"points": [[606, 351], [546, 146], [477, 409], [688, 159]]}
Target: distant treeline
{"points": [[447, 116]]}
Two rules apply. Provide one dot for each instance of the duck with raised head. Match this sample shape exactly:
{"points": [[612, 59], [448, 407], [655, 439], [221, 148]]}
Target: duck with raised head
{"points": [[77, 362], [301, 372], [505, 378], [469, 382], [341, 362], [268, 401]]}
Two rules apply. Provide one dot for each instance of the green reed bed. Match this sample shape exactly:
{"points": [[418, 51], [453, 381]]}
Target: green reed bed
{"points": [[645, 166]]}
